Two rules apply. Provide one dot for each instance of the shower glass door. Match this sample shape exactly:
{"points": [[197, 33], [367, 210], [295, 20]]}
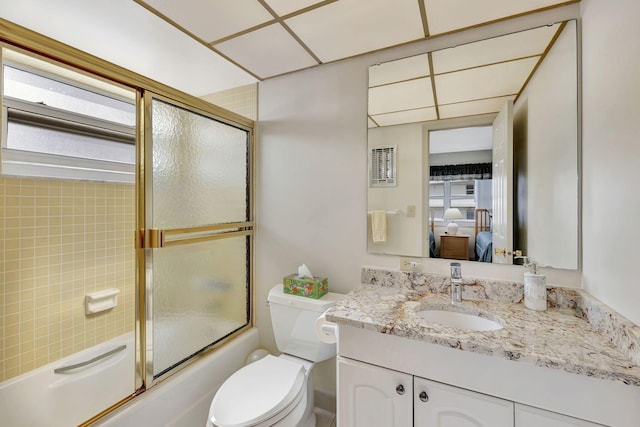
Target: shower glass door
{"points": [[197, 233]]}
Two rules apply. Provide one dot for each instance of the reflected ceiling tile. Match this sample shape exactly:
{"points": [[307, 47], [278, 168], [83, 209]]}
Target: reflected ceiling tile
{"points": [[491, 81], [402, 117], [285, 7], [267, 52], [473, 108], [350, 27], [499, 49], [213, 20], [401, 96], [396, 71], [449, 15]]}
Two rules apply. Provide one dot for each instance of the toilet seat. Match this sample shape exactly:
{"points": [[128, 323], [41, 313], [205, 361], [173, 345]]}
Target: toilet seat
{"points": [[257, 392]]}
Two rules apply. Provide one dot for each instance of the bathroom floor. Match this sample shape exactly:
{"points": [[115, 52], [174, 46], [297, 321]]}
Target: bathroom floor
{"points": [[325, 418]]}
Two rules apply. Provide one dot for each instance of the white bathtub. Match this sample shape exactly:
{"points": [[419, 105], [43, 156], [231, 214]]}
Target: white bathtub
{"points": [[183, 399], [44, 398]]}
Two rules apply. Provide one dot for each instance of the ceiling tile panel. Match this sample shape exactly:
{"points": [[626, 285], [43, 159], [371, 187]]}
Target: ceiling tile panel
{"points": [[401, 96], [473, 108], [267, 52], [285, 7], [491, 51], [351, 27], [485, 82], [403, 117], [396, 71], [448, 15], [212, 20]]}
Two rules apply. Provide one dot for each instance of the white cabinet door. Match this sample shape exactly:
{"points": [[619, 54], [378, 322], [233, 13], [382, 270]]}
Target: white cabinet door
{"points": [[370, 396], [527, 416], [440, 405]]}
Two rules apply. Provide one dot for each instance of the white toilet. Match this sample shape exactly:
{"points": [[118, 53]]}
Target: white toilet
{"points": [[278, 391]]}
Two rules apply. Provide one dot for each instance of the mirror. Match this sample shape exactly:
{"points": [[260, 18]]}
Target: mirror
{"points": [[483, 136]]}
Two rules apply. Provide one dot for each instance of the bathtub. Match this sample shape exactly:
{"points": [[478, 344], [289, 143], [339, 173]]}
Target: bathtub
{"points": [[183, 400], [42, 398]]}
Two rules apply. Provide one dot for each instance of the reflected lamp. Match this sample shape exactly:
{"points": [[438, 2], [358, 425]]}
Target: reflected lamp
{"points": [[452, 214]]}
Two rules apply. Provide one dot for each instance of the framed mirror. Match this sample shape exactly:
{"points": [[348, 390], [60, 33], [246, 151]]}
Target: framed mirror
{"points": [[473, 151]]}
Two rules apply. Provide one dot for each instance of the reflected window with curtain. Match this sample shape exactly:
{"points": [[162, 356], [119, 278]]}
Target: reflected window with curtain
{"points": [[458, 186]]}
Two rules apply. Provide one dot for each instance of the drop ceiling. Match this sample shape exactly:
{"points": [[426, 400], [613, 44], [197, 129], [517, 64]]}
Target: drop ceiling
{"points": [[468, 80], [267, 38]]}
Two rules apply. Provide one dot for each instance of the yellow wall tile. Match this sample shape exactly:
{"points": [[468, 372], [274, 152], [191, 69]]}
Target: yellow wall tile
{"points": [[52, 231]]}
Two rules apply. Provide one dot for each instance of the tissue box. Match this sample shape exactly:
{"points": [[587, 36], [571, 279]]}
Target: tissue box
{"points": [[305, 287]]}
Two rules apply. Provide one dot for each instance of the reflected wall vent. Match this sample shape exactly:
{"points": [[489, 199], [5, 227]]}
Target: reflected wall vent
{"points": [[382, 166]]}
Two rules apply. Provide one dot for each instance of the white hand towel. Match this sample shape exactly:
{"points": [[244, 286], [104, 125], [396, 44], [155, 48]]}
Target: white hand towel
{"points": [[379, 226]]}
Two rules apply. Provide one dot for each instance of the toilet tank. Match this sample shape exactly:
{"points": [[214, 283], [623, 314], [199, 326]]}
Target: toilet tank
{"points": [[293, 319]]}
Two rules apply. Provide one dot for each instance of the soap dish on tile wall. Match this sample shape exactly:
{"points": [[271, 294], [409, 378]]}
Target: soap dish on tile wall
{"points": [[96, 302]]}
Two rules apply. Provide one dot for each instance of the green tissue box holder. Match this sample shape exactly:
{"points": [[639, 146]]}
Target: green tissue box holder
{"points": [[305, 287]]}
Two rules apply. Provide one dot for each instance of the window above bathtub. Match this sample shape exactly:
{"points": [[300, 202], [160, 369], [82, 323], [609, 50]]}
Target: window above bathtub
{"points": [[59, 123]]}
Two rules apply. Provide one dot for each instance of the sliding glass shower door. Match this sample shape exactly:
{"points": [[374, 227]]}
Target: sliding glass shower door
{"points": [[197, 232]]}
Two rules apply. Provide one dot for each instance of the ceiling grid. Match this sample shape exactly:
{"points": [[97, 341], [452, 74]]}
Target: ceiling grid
{"points": [[268, 38]]}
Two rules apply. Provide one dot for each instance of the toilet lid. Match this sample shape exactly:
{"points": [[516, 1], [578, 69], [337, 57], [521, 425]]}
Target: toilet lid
{"points": [[257, 392]]}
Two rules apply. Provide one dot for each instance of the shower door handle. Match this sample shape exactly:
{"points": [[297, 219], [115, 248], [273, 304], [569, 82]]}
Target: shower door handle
{"points": [[156, 239], [104, 355]]}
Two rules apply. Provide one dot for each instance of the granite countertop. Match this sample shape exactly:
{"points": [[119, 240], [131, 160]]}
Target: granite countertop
{"points": [[558, 338]]}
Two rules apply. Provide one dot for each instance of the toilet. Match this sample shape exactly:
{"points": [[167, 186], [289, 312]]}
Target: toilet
{"points": [[278, 391]]}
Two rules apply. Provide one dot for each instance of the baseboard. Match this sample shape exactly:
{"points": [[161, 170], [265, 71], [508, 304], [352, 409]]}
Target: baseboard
{"points": [[325, 400]]}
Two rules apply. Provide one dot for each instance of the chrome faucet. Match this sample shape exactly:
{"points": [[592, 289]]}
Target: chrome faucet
{"points": [[456, 283]]}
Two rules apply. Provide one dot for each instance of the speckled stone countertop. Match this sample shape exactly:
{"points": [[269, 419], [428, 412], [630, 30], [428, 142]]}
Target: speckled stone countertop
{"points": [[562, 337]]}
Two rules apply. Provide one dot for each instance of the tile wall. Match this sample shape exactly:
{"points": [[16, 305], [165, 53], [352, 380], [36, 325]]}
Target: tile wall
{"points": [[58, 241], [242, 100]]}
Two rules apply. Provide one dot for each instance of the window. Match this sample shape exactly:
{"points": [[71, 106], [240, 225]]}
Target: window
{"points": [[62, 124], [452, 194]]}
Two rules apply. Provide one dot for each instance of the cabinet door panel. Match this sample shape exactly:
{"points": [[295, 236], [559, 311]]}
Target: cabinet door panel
{"points": [[448, 406], [527, 416], [370, 396]]}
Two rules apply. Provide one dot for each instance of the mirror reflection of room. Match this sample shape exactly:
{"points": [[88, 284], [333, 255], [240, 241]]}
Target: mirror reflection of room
{"points": [[460, 195], [521, 88]]}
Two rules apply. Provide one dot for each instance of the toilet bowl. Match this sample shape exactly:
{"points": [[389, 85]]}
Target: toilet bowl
{"points": [[278, 391]]}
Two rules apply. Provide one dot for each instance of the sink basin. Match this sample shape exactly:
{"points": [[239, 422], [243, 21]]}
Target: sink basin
{"points": [[458, 320]]}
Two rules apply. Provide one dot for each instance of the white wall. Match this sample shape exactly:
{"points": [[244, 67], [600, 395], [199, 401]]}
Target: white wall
{"points": [[551, 105], [311, 178], [401, 229], [611, 152]]}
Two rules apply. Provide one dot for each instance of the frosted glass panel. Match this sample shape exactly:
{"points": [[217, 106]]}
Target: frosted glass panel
{"points": [[199, 169], [200, 295]]}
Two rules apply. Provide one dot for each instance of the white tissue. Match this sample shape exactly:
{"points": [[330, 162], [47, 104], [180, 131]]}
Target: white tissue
{"points": [[326, 331], [303, 271]]}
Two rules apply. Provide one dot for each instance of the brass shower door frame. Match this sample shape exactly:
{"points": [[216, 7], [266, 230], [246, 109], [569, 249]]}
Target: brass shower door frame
{"points": [[148, 238], [28, 42]]}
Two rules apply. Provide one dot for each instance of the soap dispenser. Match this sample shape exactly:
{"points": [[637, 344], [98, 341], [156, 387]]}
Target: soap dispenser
{"points": [[535, 288]]}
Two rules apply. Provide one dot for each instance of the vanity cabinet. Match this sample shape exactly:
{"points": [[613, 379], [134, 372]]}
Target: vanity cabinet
{"points": [[374, 396], [441, 405], [527, 416], [370, 396]]}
